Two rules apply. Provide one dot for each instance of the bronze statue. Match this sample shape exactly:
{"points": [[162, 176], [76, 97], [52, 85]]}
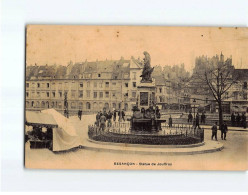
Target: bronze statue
{"points": [[147, 70]]}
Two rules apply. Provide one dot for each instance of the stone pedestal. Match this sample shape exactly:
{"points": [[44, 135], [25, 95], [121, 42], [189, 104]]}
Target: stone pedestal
{"points": [[146, 94]]}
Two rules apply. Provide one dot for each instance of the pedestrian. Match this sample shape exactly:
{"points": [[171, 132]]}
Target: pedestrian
{"points": [[238, 118], [203, 118], [157, 111], [114, 115], [197, 121], [109, 119], [170, 121], [190, 117], [233, 120], [223, 131], [98, 119], [214, 131], [244, 120], [102, 122], [79, 114], [119, 115], [123, 115]]}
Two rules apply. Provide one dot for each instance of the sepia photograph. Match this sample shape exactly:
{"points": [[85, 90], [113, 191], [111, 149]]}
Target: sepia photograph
{"points": [[136, 97]]}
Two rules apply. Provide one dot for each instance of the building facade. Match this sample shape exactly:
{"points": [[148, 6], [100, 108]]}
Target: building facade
{"points": [[90, 86]]}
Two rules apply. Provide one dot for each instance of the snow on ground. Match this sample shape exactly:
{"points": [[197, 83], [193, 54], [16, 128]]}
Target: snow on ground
{"points": [[232, 157]]}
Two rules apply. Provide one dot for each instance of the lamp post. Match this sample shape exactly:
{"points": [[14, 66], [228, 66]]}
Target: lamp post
{"points": [[194, 105]]}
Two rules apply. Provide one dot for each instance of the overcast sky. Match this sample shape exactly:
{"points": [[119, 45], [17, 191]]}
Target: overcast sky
{"points": [[166, 45]]}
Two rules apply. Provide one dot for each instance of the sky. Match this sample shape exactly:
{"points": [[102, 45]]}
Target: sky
{"points": [[58, 44]]}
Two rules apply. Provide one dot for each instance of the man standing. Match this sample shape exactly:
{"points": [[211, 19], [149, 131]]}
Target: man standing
{"points": [[238, 118], [102, 122], [97, 119], [170, 121], [114, 115], [233, 119], [190, 117], [244, 120], [80, 114], [223, 130], [123, 115], [203, 118], [109, 119], [197, 121], [214, 131]]}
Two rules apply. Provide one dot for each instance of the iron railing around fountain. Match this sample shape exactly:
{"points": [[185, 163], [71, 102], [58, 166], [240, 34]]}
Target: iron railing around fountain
{"points": [[124, 128]]}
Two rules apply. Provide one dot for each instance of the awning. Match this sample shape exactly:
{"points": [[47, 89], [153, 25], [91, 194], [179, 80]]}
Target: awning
{"points": [[40, 119]]}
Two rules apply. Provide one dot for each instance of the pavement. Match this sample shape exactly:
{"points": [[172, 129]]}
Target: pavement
{"points": [[234, 155]]}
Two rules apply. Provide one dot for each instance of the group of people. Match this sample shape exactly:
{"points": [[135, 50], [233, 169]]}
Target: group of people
{"points": [[238, 120], [197, 118], [223, 129], [103, 117]]}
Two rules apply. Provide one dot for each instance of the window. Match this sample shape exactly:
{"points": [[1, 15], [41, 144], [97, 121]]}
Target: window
{"points": [[126, 95], [100, 85], [160, 90], [27, 94], [126, 76], [73, 85], [95, 94], [53, 85], [81, 85], [47, 94], [245, 96], [60, 94], [38, 94], [134, 75], [106, 94], [87, 76], [113, 94], [95, 84], [245, 85], [73, 94], [47, 85], [126, 84], [114, 83], [60, 105], [235, 94], [88, 94], [101, 94], [134, 84], [106, 84], [88, 105], [27, 85], [53, 93], [133, 94], [99, 75], [115, 77], [88, 83], [66, 85], [60, 85], [80, 94], [38, 85], [73, 105]]}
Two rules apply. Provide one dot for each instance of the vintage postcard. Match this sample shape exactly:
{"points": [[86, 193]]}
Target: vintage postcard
{"points": [[136, 97]]}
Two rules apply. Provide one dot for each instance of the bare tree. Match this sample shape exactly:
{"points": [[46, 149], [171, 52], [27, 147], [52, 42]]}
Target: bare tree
{"points": [[219, 80]]}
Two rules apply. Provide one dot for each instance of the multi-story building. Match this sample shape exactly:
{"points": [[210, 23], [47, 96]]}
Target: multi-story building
{"points": [[236, 97], [90, 86]]}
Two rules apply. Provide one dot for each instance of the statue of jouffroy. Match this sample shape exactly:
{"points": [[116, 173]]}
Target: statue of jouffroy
{"points": [[147, 70]]}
